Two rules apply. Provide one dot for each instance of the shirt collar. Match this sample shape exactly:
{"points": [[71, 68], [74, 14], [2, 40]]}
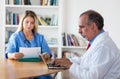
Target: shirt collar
{"points": [[96, 36]]}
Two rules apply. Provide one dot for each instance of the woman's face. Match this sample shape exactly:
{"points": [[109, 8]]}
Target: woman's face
{"points": [[28, 23]]}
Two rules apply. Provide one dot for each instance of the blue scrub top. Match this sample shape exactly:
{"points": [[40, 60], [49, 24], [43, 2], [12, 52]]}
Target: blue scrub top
{"points": [[18, 40]]}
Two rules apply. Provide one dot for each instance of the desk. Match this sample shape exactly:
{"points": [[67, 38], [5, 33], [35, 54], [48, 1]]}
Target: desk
{"points": [[12, 69]]}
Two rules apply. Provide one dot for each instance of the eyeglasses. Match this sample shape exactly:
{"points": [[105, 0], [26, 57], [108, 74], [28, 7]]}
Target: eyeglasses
{"points": [[81, 26]]}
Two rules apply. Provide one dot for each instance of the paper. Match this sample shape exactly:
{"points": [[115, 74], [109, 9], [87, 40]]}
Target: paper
{"points": [[33, 52]]}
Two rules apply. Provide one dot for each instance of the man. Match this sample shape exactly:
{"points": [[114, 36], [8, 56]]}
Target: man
{"points": [[102, 59]]}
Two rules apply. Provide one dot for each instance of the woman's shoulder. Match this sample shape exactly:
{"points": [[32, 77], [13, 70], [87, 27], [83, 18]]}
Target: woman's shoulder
{"points": [[16, 34], [38, 34]]}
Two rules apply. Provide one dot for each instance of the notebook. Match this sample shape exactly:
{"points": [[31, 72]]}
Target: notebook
{"points": [[51, 66]]}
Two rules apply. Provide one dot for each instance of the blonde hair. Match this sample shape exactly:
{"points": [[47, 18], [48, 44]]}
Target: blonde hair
{"points": [[26, 14]]}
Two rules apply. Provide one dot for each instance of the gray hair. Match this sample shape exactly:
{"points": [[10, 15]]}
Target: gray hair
{"points": [[95, 17]]}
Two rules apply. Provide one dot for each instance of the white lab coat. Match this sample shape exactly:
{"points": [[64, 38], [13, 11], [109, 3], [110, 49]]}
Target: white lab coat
{"points": [[101, 61]]}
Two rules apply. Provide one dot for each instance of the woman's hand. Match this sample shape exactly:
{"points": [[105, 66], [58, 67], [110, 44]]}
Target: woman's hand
{"points": [[15, 55]]}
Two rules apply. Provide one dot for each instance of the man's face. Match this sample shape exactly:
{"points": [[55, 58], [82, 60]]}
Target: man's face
{"points": [[84, 29]]}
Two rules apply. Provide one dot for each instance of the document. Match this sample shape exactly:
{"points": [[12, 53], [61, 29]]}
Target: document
{"points": [[33, 52]]}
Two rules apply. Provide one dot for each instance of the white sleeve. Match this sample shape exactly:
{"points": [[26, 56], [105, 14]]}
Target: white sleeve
{"points": [[75, 60], [94, 66]]}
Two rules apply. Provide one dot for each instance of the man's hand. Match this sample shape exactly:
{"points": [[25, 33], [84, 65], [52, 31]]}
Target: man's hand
{"points": [[62, 62], [46, 56]]}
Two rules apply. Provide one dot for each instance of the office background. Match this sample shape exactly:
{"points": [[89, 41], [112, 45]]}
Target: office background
{"points": [[109, 9], [71, 9]]}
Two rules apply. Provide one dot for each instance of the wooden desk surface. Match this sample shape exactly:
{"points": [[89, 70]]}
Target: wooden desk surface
{"points": [[12, 69]]}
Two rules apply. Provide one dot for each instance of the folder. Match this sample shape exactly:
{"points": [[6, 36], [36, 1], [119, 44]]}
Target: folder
{"points": [[29, 60]]}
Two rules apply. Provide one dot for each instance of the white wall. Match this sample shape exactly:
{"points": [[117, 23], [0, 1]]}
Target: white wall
{"points": [[2, 30], [109, 9]]}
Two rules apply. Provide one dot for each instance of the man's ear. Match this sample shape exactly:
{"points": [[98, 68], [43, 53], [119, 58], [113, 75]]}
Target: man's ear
{"points": [[94, 27]]}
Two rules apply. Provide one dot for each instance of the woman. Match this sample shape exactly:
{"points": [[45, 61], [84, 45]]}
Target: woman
{"points": [[27, 36]]}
